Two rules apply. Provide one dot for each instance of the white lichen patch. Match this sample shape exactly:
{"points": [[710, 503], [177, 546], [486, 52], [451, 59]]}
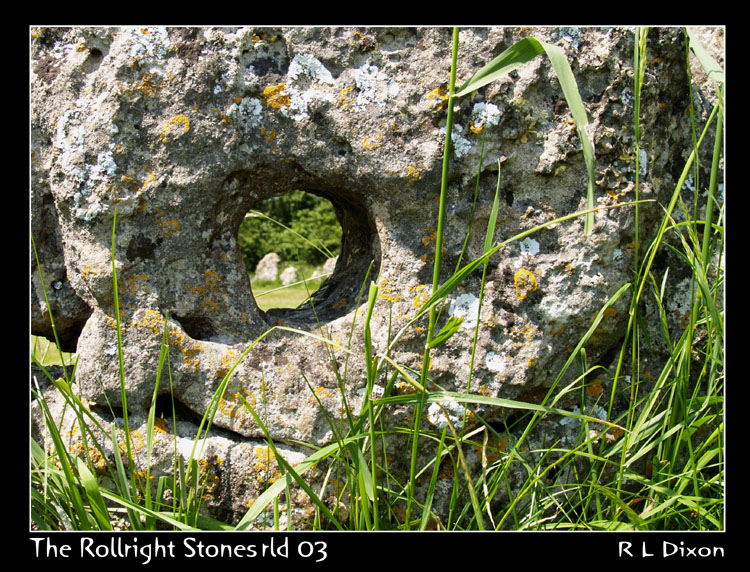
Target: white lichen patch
{"points": [[626, 96], [70, 138], [642, 162], [461, 146], [466, 306], [572, 425], [377, 392], [570, 34], [456, 413], [680, 303], [149, 42], [199, 448], [307, 65], [484, 114], [308, 78], [689, 184], [529, 246], [373, 86], [496, 362], [248, 112]]}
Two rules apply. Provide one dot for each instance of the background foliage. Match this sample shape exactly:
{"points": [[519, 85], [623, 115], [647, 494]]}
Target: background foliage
{"points": [[307, 215]]}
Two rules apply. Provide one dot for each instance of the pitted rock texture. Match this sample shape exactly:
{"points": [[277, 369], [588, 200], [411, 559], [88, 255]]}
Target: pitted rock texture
{"points": [[182, 130]]}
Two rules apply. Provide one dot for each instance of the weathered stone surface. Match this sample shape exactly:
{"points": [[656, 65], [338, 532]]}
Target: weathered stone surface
{"points": [[182, 131]]}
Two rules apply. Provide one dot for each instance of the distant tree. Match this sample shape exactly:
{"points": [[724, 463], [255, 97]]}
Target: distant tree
{"points": [[312, 231]]}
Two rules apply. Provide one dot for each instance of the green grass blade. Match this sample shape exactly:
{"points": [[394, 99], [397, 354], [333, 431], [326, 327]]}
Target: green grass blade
{"points": [[290, 473], [477, 399], [522, 52], [433, 482], [136, 509], [518, 54], [96, 501], [489, 235], [632, 516], [709, 64], [451, 327]]}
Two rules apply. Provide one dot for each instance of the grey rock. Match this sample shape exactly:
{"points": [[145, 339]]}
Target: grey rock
{"points": [[181, 131]]}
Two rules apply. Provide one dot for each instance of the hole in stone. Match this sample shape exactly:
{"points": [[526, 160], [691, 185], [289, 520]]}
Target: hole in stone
{"points": [[289, 244], [197, 327], [181, 412], [328, 238], [93, 60]]}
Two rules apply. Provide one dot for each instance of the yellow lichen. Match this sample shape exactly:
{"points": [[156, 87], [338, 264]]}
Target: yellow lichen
{"points": [[187, 347], [595, 388], [208, 475], [136, 440], [174, 127], [275, 96], [430, 238], [147, 85], [491, 449], [268, 135], [227, 360], [344, 100], [322, 392], [132, 284], [388, 293], [210, 281], [525, 283], [230, 401], [266, 463], [413, 173], [438, 99], [421, 295], [474, 128], [372, 142], [683, 318], [153, 321], [403, 388], [527, 332], [528, 132], [170, 227]]}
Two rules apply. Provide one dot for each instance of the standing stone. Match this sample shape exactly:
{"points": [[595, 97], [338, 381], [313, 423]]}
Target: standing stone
{"points": [[267, 269], [329, 265], [180, 131], [289, 276]]}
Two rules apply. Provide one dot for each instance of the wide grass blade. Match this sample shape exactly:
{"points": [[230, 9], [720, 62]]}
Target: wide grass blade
{"points": [[96, 501], [477, 399], [709, 64], [522, 52], [451, 327]]}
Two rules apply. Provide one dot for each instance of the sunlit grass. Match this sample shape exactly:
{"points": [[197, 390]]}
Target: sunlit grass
{"points": [[276, 295], [673, 425]]}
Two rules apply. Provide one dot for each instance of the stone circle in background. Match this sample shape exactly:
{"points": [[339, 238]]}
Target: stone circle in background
{"points": [[183, 130], [268, 267]]}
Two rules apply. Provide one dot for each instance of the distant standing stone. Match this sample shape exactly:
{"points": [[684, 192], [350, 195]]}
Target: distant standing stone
{"points": [[268, 267], [329, 265], [289, 276]]}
